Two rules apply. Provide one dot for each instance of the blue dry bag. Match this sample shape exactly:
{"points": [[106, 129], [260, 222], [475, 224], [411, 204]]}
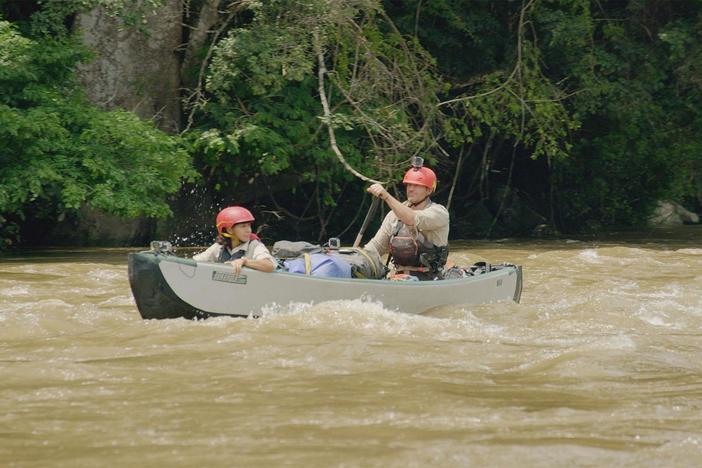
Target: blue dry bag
{"points": [[319, 264]]}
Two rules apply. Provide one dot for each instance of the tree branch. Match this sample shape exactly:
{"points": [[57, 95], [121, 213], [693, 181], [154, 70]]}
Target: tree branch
{"points": [[322, 70]]}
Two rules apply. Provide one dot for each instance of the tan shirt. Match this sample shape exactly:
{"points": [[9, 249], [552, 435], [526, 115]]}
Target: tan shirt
{"points": [[254, 251], [432, 222]]}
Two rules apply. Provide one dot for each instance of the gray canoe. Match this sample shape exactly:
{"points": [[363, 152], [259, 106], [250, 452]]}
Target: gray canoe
{"points": [[167, 286]]}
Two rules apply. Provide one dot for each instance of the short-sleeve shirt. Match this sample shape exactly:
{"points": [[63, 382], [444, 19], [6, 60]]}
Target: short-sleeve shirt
{"points": [[254, 250], [432, 222]]}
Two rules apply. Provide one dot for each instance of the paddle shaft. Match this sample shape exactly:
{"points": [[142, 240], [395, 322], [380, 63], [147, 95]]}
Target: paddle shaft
{"points": [[366, 222]]}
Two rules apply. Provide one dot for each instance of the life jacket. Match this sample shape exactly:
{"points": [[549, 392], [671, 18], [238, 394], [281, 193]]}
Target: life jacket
{"points": [[411, 251], [226, 256]]}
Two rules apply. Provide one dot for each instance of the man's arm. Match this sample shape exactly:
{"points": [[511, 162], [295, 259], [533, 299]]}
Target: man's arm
{"points": [[403, 212]]}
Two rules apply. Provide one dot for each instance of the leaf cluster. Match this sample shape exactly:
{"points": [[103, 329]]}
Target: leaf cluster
{"points": [[607, 91], [60, 151], [263, 115]]}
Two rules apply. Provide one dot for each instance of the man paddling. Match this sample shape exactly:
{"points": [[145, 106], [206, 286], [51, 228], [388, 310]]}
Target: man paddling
{"points": [[415, 232]]}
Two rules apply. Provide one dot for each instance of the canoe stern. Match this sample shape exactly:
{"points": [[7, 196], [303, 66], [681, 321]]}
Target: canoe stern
{"points": [[520, 282]]}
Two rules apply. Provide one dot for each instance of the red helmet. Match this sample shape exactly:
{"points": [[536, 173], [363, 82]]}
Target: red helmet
{"points": [[232, 215], [421, 176]]}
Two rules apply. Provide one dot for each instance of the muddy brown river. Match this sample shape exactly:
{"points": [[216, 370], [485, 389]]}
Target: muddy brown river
{"points": [[600, 365]]}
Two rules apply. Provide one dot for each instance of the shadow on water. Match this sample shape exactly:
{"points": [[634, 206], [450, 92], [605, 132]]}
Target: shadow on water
{"points": [[111, 256], [687, 236], [664, 238]]}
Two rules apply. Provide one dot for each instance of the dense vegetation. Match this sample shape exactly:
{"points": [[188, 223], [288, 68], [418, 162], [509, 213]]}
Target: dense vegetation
{"points": [[574, 114], [58, 151]]}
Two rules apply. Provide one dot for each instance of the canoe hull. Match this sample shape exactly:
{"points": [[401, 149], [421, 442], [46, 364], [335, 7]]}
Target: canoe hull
{"points": [[166, 286]]}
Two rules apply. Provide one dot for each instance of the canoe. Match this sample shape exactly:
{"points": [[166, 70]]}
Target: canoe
{"points": [[167, 286]]}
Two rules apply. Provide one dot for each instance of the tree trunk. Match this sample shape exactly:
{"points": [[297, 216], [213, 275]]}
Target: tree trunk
{"points": [[207, 18], [135, 68]]}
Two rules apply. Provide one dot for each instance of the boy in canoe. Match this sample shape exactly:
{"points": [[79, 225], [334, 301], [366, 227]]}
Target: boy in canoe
{"points": [[415, 232], [236, 244]]}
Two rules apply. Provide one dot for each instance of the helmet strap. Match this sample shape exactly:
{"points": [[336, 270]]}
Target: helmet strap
{"points": [[233, 240]]}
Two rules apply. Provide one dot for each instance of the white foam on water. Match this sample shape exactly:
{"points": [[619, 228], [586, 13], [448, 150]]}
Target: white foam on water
{"points": [[478, 328], [46, 305], [669, 291], [357, 314], [590, 256], [671, 313], [690, 251], [677, 449], [659, 321], [371, 318], [15, 291], [102, 274], [585, 342], [621, 257], [625, 285], [126, 300], [274, 309]]}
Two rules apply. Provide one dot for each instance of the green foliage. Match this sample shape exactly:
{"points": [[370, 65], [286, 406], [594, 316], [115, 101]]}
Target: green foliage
{"points": [[640, 108], [58, 150], [592, 108], [501, 86], [265, 118], [273, 134], [608, 91], [265, 75], [263, 60], [50, 19], [586, 87]]}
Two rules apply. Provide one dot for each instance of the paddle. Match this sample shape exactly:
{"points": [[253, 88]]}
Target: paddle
{"points": [[366, 222]]}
